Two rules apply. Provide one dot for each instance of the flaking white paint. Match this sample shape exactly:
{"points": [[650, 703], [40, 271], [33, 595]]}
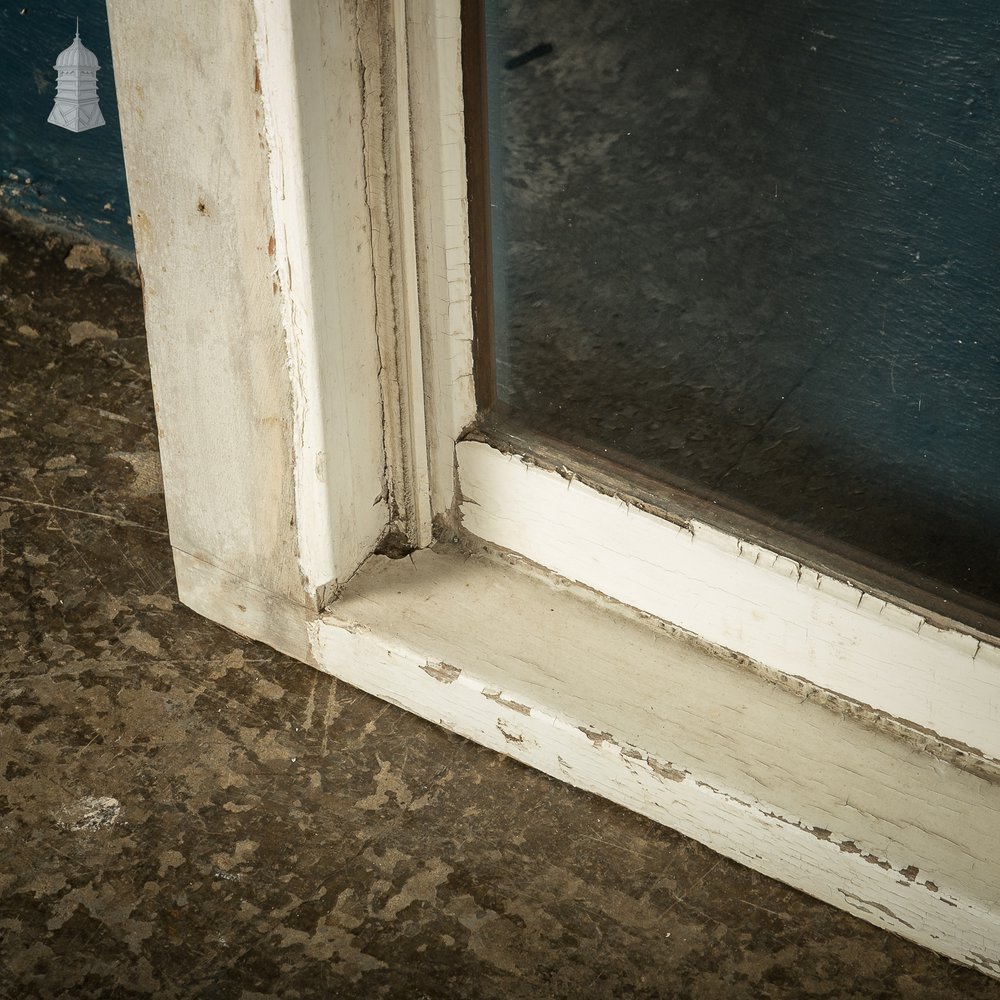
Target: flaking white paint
{"points": [[408, 333], [789, 617], [554, 676], [382, 51], [312, 123], [616, 704], [441, 232]]}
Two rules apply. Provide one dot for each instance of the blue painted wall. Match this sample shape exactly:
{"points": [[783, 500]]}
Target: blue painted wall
{"points": [[77, 179], [754, 245]]}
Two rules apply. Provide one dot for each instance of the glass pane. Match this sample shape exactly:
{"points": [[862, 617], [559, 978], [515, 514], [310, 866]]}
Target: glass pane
{"points": [[754, 246]]}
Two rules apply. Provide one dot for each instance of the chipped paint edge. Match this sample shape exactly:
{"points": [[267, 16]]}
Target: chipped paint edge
{"points": [[279, 98], [441, 231], [727, 820], [338, 437], [941, 914], [786, 616]]}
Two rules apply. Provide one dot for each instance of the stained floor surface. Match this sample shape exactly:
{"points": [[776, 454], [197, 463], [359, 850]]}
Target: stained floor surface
{"points": [[185, 813]]}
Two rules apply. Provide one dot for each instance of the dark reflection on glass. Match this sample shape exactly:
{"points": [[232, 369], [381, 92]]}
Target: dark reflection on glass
{"points": [[755, 246]]}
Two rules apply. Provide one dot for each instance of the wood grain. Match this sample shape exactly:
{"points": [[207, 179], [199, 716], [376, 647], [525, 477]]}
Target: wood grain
{"points": [[202, 216], [313, 82]]}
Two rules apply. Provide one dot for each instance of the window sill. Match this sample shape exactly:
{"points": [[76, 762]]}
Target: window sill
{"points": [[618, 703]]}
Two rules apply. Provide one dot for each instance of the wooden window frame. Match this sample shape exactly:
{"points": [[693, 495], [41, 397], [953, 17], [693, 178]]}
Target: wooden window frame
{"points": [[298, 177]]}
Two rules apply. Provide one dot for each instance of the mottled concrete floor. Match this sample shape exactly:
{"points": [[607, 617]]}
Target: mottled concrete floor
{"points": [[185, 813]]}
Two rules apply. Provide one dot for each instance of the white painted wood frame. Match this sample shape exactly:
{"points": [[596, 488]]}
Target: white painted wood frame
{"points": [[297, 176]]}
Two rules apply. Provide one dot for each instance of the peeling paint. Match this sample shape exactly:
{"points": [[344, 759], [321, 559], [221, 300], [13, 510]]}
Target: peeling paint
{"points": [[443, 672], [724, 607], [845, 846], [990, 965], [665, 770], [858, 903], [328, 547], [509, 737], [598, 738], [372, 153], [801, 833], [514, 706], [355, 628], [884, 865]]}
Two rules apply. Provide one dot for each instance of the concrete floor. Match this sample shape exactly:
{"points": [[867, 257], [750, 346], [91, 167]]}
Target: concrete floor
{"points": [[185, 813]]}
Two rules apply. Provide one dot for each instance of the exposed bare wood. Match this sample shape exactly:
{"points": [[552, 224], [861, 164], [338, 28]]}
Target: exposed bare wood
{"points": [[619, 704], [313, 80], [441, 226], [283, 353], [616, 703], [741, 596]]}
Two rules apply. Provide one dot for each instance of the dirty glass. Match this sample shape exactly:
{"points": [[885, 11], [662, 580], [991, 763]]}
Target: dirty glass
{"points": [[753, 247]]}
